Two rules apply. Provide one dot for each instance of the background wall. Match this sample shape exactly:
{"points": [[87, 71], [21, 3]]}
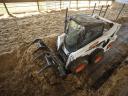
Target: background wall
{"points": [[122, 1], [18, 0], [47, 0]]}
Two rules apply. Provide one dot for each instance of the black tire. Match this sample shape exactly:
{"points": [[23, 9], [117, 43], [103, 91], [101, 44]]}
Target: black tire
{"points": [[80, 62], [96, 56]]}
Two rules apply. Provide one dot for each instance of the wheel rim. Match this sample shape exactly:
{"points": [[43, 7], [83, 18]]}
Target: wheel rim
{"points": [[80, 67], [98, 59]]}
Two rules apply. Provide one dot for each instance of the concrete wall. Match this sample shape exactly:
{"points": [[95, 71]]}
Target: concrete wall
{"points": [[46, 0], [122, 1], [18, 0]]}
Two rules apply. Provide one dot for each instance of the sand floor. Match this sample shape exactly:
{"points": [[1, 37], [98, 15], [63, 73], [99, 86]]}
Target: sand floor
{"points": [[15, 35]]}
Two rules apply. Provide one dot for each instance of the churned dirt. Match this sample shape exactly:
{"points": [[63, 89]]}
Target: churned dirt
{"points": [[17, 69]]}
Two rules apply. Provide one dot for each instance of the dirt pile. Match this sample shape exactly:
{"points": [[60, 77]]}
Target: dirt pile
{"points": [[15, 75], [23, 80]]}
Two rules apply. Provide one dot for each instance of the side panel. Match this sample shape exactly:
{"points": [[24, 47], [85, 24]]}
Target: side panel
{"points": [[87, 50], [60, 40]]}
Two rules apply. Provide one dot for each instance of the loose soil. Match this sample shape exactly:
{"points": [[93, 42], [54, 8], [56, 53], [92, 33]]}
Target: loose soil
{"points": [[17, 71]]}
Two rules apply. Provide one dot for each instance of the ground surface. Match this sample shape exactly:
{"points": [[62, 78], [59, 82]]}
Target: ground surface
{"points": [[15, 61]]}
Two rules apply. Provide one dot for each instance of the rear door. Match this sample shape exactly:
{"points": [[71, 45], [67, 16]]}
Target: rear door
{"points": [[91, 34]]}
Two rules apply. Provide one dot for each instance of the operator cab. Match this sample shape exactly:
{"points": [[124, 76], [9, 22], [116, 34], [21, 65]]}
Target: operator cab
{"points": [[81, 30]]}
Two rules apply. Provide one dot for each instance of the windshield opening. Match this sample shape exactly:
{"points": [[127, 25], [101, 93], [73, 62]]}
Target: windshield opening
{"points": [[73, 26], [72, 36]]}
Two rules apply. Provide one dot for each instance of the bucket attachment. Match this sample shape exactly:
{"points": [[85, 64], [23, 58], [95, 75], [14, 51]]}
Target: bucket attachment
{"points": [[43, 52]]}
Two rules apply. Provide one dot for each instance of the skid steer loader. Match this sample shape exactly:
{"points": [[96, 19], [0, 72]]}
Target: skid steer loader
{"points": [[85, 40]]}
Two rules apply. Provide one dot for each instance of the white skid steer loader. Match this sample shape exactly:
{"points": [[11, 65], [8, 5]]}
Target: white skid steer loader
{"points": [[85, 40]]}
